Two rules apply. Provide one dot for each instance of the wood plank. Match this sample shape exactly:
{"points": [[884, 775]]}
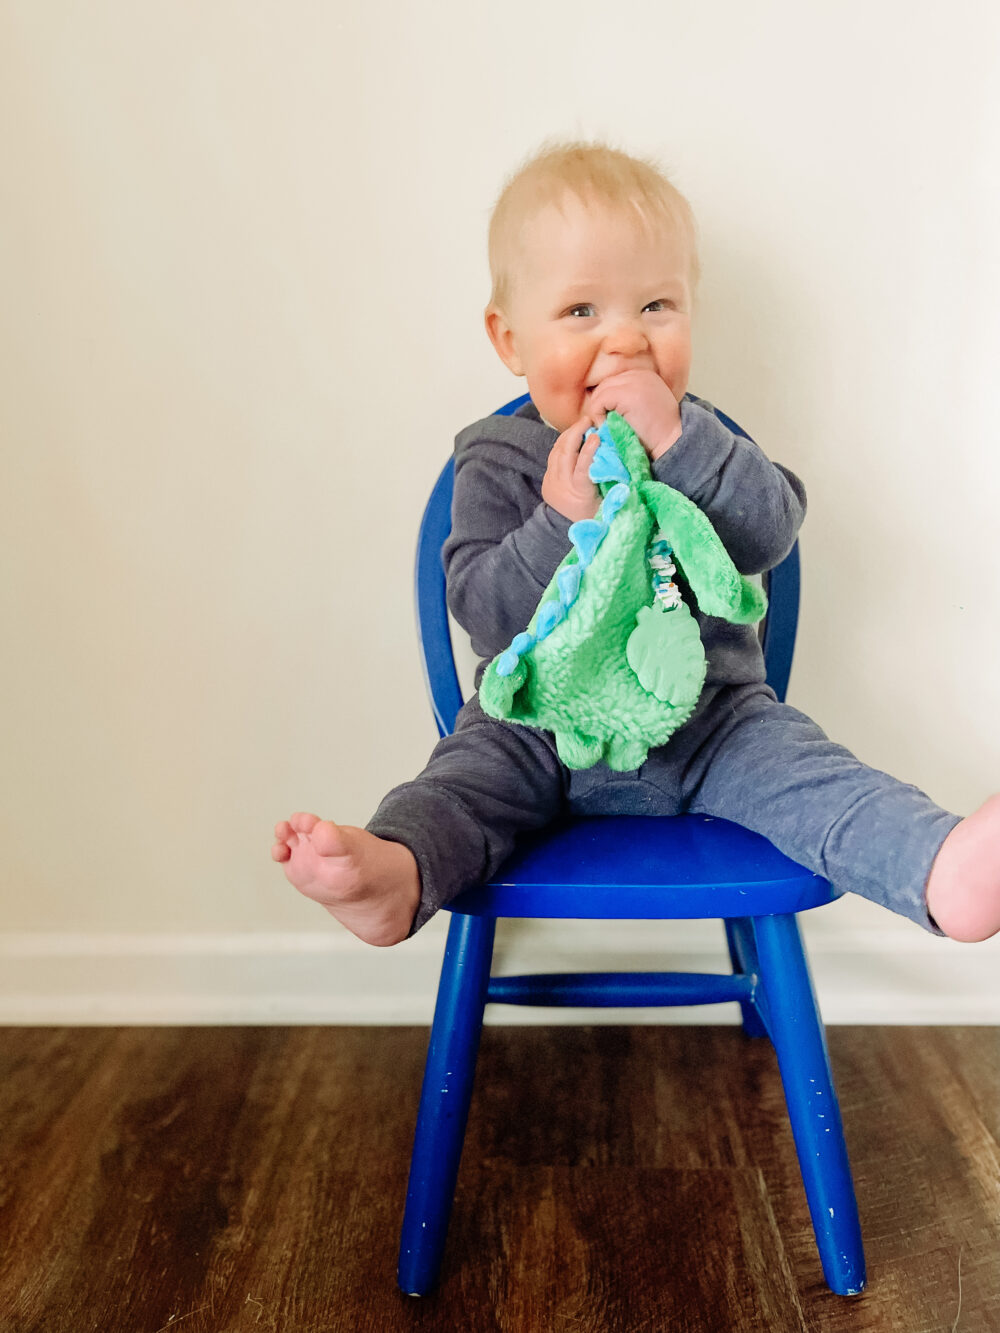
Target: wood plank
{"points": [[617, 1179]]}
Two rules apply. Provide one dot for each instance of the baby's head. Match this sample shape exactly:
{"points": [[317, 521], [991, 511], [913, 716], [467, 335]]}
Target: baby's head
{"points": [[594, 263]]}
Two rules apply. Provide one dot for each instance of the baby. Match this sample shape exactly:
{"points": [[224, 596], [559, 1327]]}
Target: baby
{"points": [[594, 267]]}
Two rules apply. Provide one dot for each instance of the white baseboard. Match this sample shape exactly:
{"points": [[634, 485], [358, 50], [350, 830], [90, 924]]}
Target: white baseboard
{"points": [[867, 969]]}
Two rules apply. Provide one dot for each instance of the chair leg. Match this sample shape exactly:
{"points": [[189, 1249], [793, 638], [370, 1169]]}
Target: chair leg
{"points": [[743, 956], [800, 1044], [444, 1100]]}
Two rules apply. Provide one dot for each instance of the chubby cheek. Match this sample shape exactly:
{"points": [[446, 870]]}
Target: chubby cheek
{"points": [[674, 366], [559, 380], [677, 378]]}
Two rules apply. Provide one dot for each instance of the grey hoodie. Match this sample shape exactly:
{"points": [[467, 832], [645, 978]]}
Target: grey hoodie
{"points": [[506, 542]]}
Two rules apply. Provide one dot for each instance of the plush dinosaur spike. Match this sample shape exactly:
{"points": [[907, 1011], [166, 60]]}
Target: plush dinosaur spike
{"points": [[612, 660]]}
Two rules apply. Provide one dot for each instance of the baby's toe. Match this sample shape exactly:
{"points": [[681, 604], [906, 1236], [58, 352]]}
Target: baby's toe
{"points": [[304, 823], [283, 830], [327, 838]]}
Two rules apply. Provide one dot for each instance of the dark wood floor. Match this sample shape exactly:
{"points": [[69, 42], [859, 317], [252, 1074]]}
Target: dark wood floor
{"points": [[614, 1180]]}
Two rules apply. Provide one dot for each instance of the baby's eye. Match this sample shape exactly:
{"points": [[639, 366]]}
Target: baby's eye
{"points": [[581, 311], [659, 305]]}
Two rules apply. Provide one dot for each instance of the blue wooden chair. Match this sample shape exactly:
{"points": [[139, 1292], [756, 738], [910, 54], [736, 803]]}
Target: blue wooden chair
{"points": [[680, 867]]}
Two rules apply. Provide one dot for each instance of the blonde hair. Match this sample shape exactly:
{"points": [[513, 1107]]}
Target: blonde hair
{"points": [[594, 173]]}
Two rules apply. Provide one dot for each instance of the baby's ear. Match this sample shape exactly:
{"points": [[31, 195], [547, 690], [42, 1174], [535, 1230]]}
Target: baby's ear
{"points": [[501, 335]]}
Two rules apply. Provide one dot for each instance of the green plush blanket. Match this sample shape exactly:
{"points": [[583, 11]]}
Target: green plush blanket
{"points": [[612, 661]]}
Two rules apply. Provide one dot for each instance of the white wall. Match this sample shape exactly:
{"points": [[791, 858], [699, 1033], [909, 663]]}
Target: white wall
{"points": [[241, 275]]}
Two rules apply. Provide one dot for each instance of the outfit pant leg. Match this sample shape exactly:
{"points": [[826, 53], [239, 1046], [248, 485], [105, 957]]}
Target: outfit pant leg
{"points": [[771, 768], [482, 786]]}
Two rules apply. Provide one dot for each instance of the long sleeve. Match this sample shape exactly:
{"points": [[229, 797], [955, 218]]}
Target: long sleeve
{"points": [[506, 542], [755, 506]]}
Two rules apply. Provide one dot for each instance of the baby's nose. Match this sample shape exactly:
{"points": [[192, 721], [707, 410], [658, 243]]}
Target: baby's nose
{"points": [[626, 338]]}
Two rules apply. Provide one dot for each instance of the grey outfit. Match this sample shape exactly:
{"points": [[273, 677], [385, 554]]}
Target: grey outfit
{"points": [[742, 756]]}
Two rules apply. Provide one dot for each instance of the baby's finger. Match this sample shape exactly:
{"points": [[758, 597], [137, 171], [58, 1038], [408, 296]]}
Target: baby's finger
{"points": [[570, 442], [590, 447], [579, 429], [581, 474], [560, 464], [608, 397]]}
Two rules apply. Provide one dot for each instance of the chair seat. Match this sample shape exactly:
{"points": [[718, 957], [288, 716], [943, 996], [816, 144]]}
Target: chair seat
{"points": [[640, 868]]}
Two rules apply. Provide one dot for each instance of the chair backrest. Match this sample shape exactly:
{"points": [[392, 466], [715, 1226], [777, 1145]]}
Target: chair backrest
{"points": [[434, 631]]}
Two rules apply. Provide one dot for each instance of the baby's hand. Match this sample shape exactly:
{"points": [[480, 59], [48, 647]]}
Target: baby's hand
{"points": [[566, 485], [647, 404]]}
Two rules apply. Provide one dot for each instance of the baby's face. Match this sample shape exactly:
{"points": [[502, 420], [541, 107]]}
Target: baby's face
{"points": [[595, 294]]}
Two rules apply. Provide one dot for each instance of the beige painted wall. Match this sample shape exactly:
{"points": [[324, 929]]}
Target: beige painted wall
{"points": [[241, 275]]}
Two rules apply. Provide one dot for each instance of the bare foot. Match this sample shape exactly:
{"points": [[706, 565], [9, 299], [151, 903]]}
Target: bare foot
{"points": [[371, 885], [963, 888]]}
